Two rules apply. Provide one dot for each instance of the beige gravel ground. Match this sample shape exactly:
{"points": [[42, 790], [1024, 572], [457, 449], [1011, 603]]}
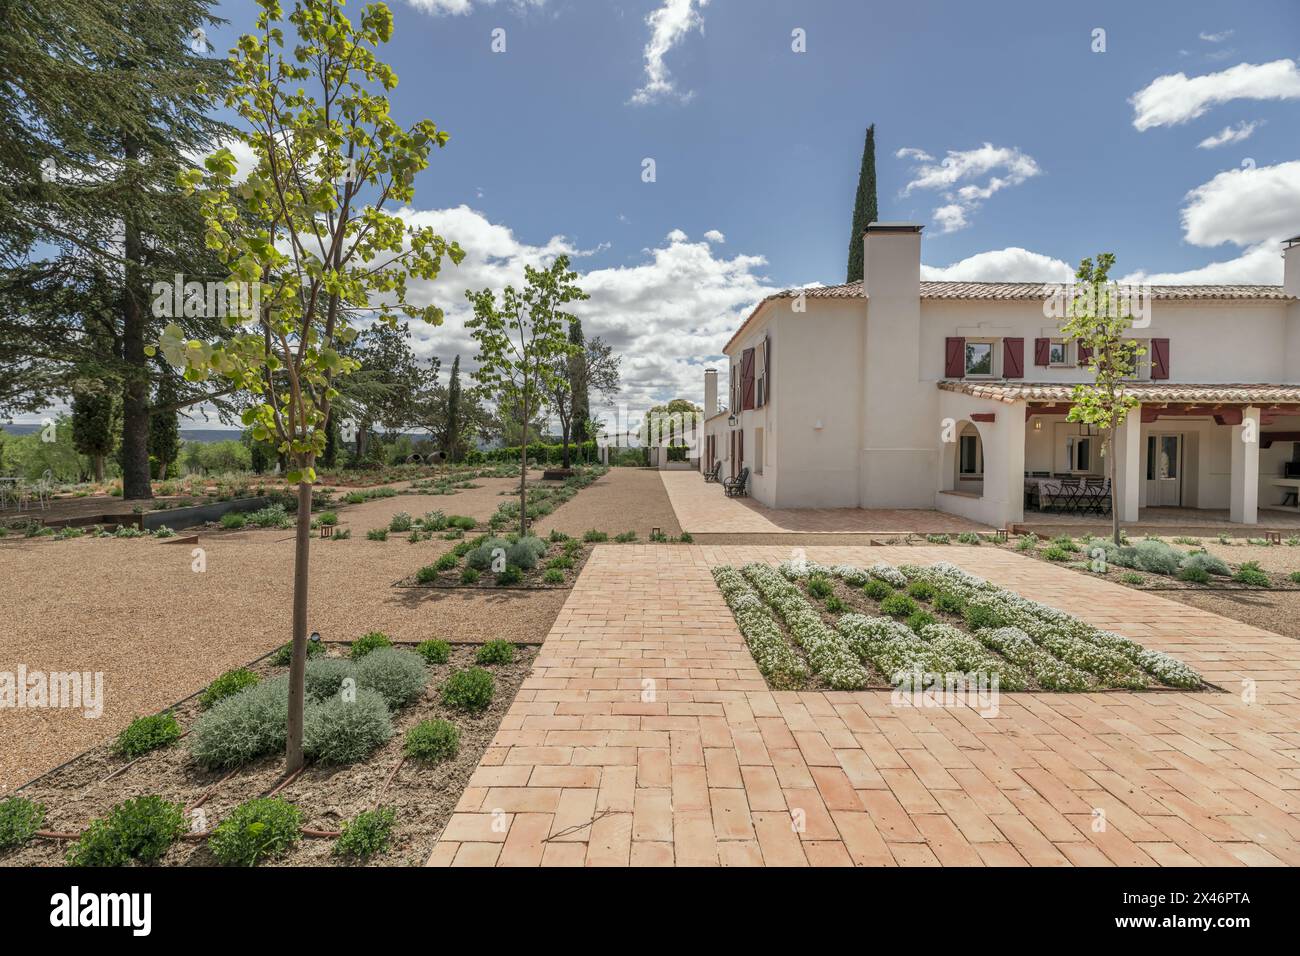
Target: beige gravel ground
{"points": [[625, 499], [159, 631]]}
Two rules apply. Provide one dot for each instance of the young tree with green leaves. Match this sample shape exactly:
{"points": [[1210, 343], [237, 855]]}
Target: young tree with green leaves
{"points": [[309, 228], [1098, 317], [590, 365], [864, 206], [523, 343]]}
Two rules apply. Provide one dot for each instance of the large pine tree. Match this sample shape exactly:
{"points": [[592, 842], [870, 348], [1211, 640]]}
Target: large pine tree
{"points": [[864, 206], [107, 100]]}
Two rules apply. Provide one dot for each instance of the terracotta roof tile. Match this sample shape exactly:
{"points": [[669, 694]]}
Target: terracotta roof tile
{"points": [[1022, 291], [1145, 391]]}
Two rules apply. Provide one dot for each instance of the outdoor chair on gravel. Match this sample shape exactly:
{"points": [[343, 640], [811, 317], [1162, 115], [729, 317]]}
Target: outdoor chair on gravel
{"points": [[736, 487]]}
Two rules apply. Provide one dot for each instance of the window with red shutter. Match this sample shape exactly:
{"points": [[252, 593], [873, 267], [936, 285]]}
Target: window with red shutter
{"points": [[747, 379], [954, 357], [1085, 355], [1043, 352], [1013, 358], [1159, 358]]}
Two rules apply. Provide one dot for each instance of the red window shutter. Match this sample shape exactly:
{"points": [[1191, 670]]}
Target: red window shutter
{"points": [[1159, 358], [747, 379], [1013, 358], [1085, 354], [1043, 352], [954, 362], [767, 369]]}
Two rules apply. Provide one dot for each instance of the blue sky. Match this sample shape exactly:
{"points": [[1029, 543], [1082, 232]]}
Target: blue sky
{"points": [[1024, 149]]}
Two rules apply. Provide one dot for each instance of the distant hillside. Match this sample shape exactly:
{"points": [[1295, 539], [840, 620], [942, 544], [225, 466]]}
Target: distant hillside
{"points": [[189, 434]]}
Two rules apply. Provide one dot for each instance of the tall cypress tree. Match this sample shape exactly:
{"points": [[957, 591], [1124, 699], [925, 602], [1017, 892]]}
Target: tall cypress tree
{"points": [[452, 429], [164, 430], [579, 381], [94, 414], [864, 206]]}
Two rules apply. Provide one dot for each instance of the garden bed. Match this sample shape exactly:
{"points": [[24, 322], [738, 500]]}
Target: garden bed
{"points": [[494, 563], [422, 794], [1152, 564], [849, 628]]}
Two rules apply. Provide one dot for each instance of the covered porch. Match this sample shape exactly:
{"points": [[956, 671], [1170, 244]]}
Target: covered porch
{"points": [[1187, 456]]}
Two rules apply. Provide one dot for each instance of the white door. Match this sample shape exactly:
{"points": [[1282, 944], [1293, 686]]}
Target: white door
{"points": [[1164, 470]]}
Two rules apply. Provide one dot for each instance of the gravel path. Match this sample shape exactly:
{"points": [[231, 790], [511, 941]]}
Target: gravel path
{"points": [[134, 610], [625, 499]]}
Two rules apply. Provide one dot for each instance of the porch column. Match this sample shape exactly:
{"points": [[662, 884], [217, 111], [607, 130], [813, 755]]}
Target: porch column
{"points": [[1012, 429], [1243, 497], [1128, 458]]}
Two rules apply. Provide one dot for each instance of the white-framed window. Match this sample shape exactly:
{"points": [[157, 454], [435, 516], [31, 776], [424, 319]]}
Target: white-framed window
{"points": [[1058, 352], [1142, 362], [970, 459], [981, 358], [1079, 451]]}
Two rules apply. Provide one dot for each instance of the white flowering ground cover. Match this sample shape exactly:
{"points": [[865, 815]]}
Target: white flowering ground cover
{"points": [[847, 628]]}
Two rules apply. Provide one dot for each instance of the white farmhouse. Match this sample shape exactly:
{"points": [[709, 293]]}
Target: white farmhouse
{"points": [[899, 393]]}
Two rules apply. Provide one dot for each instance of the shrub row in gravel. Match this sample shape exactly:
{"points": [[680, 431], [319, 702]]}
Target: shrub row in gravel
{"points": [[828, 652], [776, 660]]}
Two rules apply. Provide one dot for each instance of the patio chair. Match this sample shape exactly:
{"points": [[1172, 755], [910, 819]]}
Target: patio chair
{"points": [[1090, 501], [1061, 495], [736, 487], [712, 474]]}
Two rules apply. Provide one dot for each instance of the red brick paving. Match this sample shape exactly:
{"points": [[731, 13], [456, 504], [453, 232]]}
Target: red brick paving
{"points": [[645, 736]]}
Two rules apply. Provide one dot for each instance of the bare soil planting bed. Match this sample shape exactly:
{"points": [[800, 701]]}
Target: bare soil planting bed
{"points": [[422, 795]]}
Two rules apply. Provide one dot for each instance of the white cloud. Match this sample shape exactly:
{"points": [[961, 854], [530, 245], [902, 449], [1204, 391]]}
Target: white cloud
{"points": [[950, 176], [1012, 264], [714, 235], [1258, 265], [1230, 134], [668, 25], [666, 314], [950, 218], [911, 152], [1244, 206], [1174, 98], [462, 7], [1217, 37]]}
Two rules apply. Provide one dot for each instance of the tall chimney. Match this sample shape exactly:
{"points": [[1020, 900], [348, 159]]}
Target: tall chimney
{"points": [[710, 393], [1291, 266], [892, 260]]}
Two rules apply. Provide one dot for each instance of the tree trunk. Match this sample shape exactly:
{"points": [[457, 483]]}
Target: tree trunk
{"points": [[298, 664], [135, 392], [1114, 490], [523, 473], [99, 469], [363, 437], [564, 430]]}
